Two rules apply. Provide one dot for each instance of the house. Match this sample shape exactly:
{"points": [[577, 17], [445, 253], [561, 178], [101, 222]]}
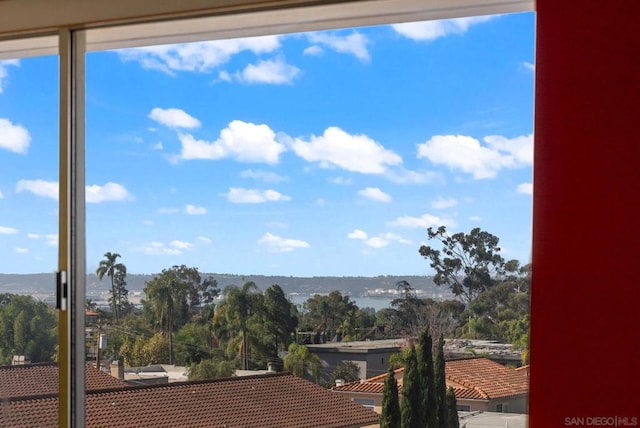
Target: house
{"points": [[281, 400], [30, 380], [480, 384], [371, 356]]}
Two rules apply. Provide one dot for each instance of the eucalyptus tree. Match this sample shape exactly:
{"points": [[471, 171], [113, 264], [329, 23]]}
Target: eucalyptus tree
{"points": [[330, 315], [240, 303], [117, 273], [167, 295], [279, 318], [469, 263]]}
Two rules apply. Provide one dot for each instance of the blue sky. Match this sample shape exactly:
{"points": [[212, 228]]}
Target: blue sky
{"points": [[324, 153]]}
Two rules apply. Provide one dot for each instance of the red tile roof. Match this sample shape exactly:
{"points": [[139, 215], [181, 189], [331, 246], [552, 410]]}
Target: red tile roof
{"points": [[278, 400], [42, 379], [472, 378]]}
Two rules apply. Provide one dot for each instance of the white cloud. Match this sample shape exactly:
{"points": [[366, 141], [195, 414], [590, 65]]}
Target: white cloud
{"points": [[519, 148], [96, 194], [20, 250], [243, 141], [174, 118], [34, 236], [377, 242], [1, 195], [442, 203], [431, 30], [224, 76], [52, 239], [475, 218], [47, 189], [14, 138], [341, 180], [239, 195], [356, 153], [277, 244], [182, 245], [380, 241], [358, 234], [4, 230], [424, 221], [481, 161], [267, 177], [199, 57], [204, 239], [275, 72], [529, 66], [375, 194], [405, 176], [525, 188], [354, 44], [321, 202], [314, 50], [4, 65], [395, 237], [167, 210], [157, 248], [193, 210], [157, 146]]}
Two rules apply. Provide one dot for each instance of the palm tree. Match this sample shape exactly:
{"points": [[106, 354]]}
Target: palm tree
{"points": [[109, 267], [239, 303]]}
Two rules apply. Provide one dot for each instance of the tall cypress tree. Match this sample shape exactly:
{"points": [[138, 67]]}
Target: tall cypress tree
{"points": [[452, 411], [411, 394], [390, 417], [429, 404], [441, 386]]}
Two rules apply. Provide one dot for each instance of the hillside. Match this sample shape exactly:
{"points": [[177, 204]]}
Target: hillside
{"points": [[355, 286]]}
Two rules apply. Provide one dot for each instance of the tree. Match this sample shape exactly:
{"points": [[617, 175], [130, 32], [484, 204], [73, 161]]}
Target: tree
{"points": [[211, 369], [302, 363], [468, 263], [410, 408], [117, 273], [331, 316], [426, 378], [239, 304], [279, 318], [27, 327], [192, 344], [390, 417], [167, 294], [440, 385], [345, 370], [452, 409]]}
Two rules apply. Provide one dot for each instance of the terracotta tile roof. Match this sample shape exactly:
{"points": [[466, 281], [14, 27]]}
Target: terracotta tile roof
{"points": [[42, 379], [471, 378], [483, 379], [278, 400]]}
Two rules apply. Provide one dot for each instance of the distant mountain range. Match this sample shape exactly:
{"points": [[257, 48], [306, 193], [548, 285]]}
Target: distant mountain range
{"points": [[44, 283]]}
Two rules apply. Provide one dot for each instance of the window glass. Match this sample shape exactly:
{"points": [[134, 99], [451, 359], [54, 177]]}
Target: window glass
{"points": [[28, 212], [315, 161]]}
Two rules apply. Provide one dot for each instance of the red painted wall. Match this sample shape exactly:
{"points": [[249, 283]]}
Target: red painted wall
{"points": [[585, 337]]}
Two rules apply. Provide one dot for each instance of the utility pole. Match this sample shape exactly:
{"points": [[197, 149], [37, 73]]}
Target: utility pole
{"points": [[98, 340]]}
